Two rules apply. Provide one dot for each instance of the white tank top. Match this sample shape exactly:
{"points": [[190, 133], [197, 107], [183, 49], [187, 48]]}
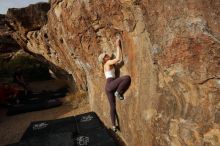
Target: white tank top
{"points": [[110, 73]]}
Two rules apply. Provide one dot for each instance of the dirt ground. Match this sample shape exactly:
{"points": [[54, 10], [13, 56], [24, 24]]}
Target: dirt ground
{"points": [[13, 127]]}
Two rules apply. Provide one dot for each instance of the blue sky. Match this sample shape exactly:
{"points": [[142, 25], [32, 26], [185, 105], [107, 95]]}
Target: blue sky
{"points": [[5, 4]]}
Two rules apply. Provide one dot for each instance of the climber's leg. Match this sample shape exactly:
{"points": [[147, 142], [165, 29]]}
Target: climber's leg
{"points": [[120, 84], [111, 99], [124, 84]]}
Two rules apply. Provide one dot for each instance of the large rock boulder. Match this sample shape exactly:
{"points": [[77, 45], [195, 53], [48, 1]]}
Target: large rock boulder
{"points": [[7, 43], [171, 50]]}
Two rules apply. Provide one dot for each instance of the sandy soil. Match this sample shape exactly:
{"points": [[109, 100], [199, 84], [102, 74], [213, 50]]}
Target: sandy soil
{"points": [[13, 127]]}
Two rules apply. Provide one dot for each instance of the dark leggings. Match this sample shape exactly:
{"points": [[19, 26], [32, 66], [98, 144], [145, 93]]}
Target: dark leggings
{"points": [[120, 84]]}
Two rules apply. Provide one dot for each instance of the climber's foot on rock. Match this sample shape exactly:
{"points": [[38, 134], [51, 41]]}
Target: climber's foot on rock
{"points": [[119, 96], [114, 129]]}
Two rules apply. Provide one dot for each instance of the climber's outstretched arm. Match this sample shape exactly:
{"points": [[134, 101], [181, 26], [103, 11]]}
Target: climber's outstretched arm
{"points": [[118, 53]]}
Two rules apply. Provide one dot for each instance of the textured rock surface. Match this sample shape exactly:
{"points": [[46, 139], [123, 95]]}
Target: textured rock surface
{"points": [[171, 50], [7, 43], [21, 21], [30, 19]]}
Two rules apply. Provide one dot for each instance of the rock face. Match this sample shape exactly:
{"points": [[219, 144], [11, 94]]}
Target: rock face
{"points": [[21, 21], [171, 50], [30, 19], [7, 43]]}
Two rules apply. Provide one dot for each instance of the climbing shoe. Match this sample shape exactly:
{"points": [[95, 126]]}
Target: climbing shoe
{"points": [[119, 96], [114, 129]]}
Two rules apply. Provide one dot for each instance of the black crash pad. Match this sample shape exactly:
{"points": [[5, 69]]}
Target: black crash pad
{"points": [[81, 130], [49, 95], [50, 126], [87, 122], [34, 106], [55, 139], [95, 137], [59, 132], [14, 144]]}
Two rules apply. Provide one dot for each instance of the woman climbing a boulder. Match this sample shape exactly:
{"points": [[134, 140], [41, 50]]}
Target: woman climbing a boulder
{"points": [[115, 86]]}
